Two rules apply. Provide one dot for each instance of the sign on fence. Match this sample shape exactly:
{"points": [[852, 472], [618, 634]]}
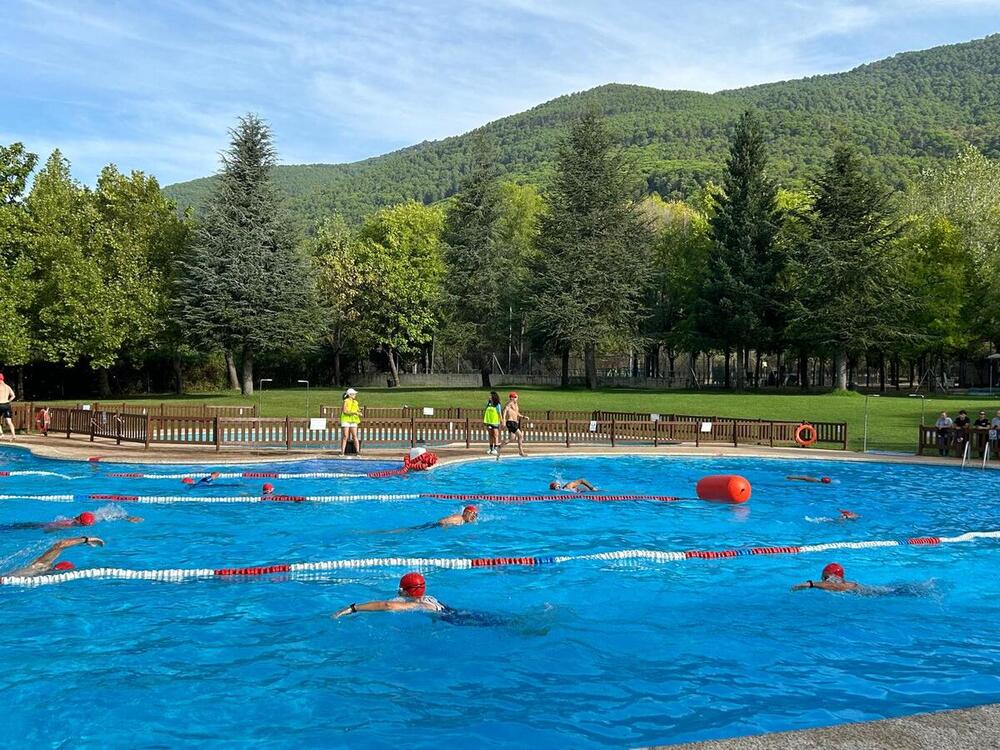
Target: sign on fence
{"points": [[654, 417], [706, 426], [317, 423], [428, 411], [593, 425]]}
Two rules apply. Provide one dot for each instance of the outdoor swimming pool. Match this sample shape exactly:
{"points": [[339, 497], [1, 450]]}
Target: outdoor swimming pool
{"points": [[593, 654]]}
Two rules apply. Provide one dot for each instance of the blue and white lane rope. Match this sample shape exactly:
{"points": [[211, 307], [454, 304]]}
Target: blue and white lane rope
{"points": [[34, 474], [655, 556]]}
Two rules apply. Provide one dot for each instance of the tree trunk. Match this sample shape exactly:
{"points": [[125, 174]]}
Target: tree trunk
{"points": [[393, 366], [336, 367], [881, 373], [840, 370], [234, 379], [564, 375], [247, 387], [486, 372], [178, 366], [20, 383], [803, 371], [756, 370], [103, 383], [741, 370], [727, 377], [590, 365]]}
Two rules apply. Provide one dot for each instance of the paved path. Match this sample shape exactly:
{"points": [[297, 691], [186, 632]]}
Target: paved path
{"points": [[966, 729]]}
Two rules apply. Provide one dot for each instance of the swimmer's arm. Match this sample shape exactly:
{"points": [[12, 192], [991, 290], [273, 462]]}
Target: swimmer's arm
{"points": [[585, 483], [52, 553], [825, 586], [133, 519], [455, 520], [379, 606]]}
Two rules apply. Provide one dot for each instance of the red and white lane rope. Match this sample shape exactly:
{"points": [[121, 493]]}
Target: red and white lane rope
{"points": [[382, 497], [655, 556], [34, 474], [244, 475]]}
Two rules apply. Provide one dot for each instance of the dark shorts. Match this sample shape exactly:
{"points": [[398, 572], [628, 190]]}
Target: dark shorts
{"points": [[512, 426], [5, 412], [492, 427]]}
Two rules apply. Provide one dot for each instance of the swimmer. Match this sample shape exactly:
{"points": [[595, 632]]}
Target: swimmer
{"points": [[267, 490], [574, 486], [210, 479], [45, 564], [845, 515], [84, 519], [831, 579], [822, 480], [469, 514], [410, 598]]}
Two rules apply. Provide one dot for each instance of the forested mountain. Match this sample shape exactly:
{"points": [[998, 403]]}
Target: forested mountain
{"points": [[907, 111]]}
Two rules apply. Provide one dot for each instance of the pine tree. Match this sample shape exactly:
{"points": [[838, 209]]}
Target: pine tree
{"points": [[477, 262], [595, 249], [738, 308], [849, 293], [245, 287]]}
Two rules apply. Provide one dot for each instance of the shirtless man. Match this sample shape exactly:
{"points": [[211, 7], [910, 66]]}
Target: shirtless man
{"points": [[410, 598], [512, 418], [6, 415], [469, 514], [823, 480], [46, 564], [831, 579], [573, 486]]}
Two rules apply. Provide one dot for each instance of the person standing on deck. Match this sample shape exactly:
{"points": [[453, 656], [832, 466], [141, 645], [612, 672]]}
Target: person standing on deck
{"points": [[350, 420], [6, 415], [492, 419], [512, 419]]}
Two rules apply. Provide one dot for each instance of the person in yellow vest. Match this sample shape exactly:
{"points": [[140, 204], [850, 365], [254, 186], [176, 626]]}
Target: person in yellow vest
{"points": [[491, 418], [350, 420]]}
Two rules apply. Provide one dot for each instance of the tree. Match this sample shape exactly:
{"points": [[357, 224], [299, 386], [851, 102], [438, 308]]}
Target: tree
{"points": [[334, 249], [737, 307], [849, 295], [16, 165], [245, 287], [594, 249], [397, 271]]}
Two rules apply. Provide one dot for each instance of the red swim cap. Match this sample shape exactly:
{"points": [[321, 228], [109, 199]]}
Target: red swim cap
{"points": [[187, 480], [826, 480], [468, 508], [512, 394], [64, 565], [413, 585], [86, 518], [833, 569], [553, 485], [268, 487]]}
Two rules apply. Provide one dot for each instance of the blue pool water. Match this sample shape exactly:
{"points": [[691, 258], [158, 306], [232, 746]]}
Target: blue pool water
{"points": [[589, 654]]}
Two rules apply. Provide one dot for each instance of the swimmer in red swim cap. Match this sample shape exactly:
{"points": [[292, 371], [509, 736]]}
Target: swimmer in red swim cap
{"points": [[469, 514], [83, 519], [577, 485], [45, 564], [831, 579], [818, 480], [411, 598], [267, 490]]}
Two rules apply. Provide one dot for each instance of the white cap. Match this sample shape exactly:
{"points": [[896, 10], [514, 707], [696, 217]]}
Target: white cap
{"points": [[351, 392]]}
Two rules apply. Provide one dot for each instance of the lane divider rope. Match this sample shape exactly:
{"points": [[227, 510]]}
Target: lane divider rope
{"points": [[384, 497], [656, 556], [244, 475], [34, 474]]}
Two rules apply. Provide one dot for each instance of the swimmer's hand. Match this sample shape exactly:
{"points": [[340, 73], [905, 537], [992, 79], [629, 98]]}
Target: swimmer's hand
{"points": [[348, 610], [133, 519], [93, 541]]}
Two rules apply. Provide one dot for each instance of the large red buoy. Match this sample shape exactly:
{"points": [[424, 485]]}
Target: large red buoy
{"points": [[723, 488]]}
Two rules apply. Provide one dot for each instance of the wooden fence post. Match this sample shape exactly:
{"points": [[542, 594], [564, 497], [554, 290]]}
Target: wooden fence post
{"points": [[772, 433], [468, 427], [612, 432], [845, 436], [656, 434], [118, 428], [288, 433], [69, 423], [736, 441], [91, 416], [149, 430], [216, 433], [567, 431], [413, 430], [920, 440]]}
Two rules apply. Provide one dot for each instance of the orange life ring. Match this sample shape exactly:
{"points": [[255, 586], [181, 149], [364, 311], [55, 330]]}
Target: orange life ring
{"points": [[42, 419], [805, 442]]}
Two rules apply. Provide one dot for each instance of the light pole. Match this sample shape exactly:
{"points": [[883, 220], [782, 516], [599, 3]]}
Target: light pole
{"points": [[923, 401], [307, 396], [260, 394], [992, 358], [864, 448]]}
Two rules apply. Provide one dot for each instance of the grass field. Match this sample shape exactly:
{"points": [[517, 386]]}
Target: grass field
{"points": [[892, 419]]}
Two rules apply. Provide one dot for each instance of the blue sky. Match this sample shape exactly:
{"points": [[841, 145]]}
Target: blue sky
{"points": [[154, 85]]}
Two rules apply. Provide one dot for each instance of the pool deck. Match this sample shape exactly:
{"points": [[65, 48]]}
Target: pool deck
{"points": [[964, 729], [80, 448]]}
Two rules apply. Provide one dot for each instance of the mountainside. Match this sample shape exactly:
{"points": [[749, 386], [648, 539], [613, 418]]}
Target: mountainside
{"points": [[907, 111]]}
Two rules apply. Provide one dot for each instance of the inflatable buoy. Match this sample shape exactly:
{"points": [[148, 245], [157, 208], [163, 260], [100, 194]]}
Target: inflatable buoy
{"points": [[417, 452], [723, 488], [422, 462], [805, 434]]}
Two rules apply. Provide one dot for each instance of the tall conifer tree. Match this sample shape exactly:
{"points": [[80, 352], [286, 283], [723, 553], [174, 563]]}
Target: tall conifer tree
{"points": [[737, 309], [245, 287]]}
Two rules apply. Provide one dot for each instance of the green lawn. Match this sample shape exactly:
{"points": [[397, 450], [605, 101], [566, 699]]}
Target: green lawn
{"points": [[892, 419]]}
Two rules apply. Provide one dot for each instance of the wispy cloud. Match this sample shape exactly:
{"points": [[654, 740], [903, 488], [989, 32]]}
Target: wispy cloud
{"points": [[155, 85]]}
